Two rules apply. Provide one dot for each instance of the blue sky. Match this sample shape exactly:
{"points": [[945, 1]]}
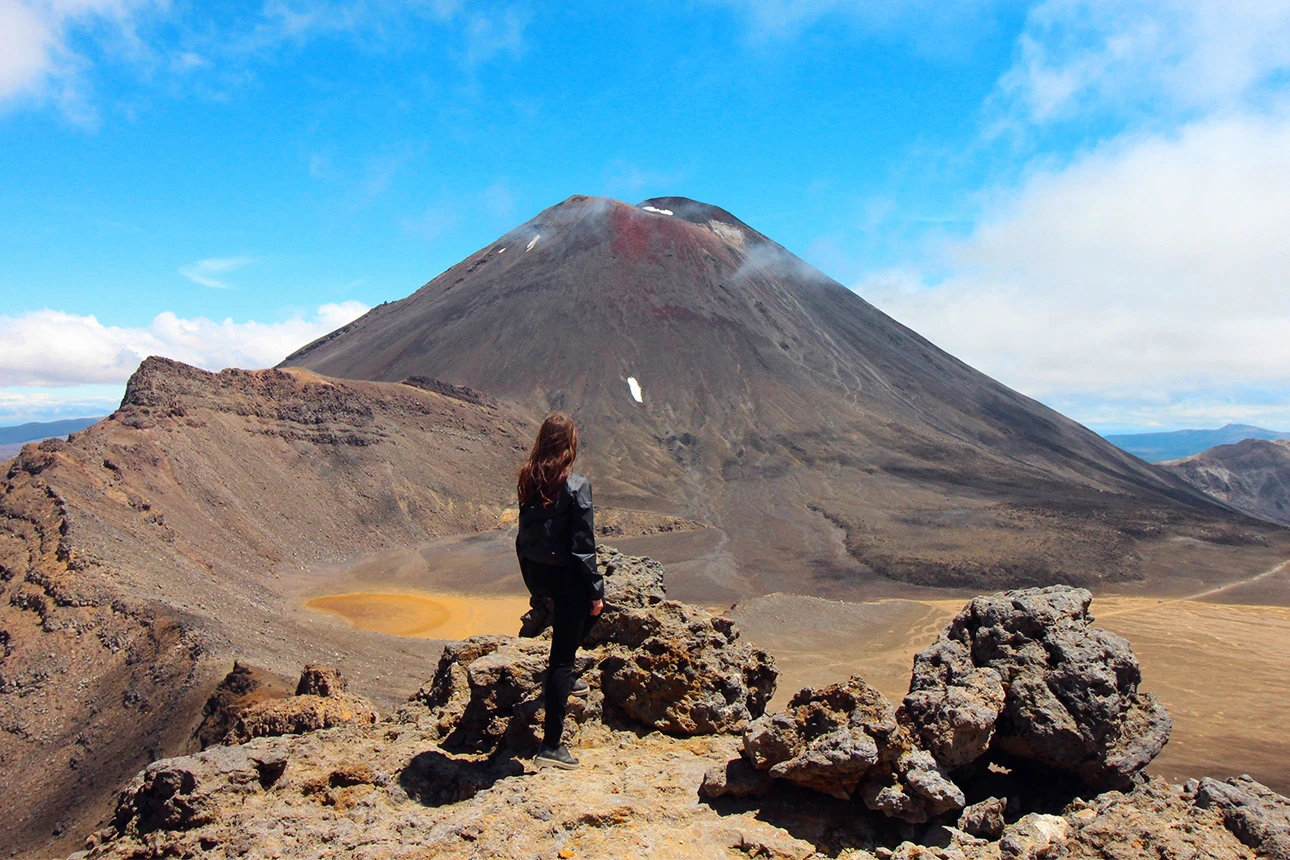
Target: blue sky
{"points": [[1086, 199]]}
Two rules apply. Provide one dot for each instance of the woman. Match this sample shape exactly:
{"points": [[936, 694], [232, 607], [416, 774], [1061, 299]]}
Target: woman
{"points": [[556, 546]]}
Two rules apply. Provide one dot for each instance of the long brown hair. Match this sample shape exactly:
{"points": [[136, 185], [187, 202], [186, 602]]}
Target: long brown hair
{"points": [[550, 462]]}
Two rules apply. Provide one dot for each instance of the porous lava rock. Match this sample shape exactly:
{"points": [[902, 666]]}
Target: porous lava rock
{"points": [[631, 580], [1155, 820], [845, 737], [1255, 814], [679, 668], [667, 666], [985, 818], [324, 704], [1036, 835], [1064, 693], [191, 791], [487, 691]]}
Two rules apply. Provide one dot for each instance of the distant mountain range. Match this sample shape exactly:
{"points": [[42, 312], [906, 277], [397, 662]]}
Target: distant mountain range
{"points": [[1159, 447], [13, 438], [34, 430]]}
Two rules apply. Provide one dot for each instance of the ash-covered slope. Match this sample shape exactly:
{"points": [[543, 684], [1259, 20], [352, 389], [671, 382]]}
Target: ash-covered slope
{"points": [[1252, 475], [821, 437], [143, 556]]}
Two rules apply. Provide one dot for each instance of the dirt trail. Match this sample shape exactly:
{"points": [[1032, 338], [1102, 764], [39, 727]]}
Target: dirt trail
{"points": [[1200, 595]]}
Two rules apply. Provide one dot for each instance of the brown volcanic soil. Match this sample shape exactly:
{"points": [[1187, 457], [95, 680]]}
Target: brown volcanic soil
{"points": [[826, 442], [1252, 475], [140, 558]]}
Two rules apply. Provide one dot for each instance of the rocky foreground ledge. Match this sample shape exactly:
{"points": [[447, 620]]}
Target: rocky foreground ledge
{"points": [[1024, 735]]}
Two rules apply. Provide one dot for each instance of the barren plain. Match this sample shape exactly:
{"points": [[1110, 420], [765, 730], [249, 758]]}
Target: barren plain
{"points": [[1216, 660]]}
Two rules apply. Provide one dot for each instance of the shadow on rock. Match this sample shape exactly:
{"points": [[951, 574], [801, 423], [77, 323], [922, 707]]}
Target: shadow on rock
{"points": [[434, 778]]}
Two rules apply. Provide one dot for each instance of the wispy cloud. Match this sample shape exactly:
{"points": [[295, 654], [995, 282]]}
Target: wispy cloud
{"points": [[932, 26], [89, 352], [1149, 56], [489, 35], [49, 49], [36, 56], [204, 271]]}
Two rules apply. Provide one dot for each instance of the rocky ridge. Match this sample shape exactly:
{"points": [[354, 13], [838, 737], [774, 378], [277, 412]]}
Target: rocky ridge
{"points": [[840, 773], [1252, 475], [135, 554]]}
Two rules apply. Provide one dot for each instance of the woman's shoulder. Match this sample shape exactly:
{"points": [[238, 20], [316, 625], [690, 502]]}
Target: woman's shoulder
{"points": [[579, 486]]}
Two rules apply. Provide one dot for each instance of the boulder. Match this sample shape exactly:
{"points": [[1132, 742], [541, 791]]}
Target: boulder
{"points": [[1255, 814], [324, 681], [678, 668], [666, 666], [1063, 693], [845, 740], [488, 690], [735, 778], [633, 581]]}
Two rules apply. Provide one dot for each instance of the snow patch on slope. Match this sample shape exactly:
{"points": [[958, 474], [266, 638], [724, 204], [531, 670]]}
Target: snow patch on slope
{"points": [[635, 388], [532, 242], [658, 211]]}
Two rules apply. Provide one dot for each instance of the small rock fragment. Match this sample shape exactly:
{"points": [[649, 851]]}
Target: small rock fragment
{"points": [[984, 819]]}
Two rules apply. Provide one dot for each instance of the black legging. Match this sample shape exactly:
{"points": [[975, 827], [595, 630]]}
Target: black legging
{"points": [[570, 621]]}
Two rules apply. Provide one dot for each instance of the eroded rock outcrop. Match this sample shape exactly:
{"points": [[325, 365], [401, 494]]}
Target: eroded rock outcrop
{"points": [[1026, 673], [665, 665], [1021, 674], [681, 669], [398, 789], [845, 738], [1255, 814], [321, 702]]}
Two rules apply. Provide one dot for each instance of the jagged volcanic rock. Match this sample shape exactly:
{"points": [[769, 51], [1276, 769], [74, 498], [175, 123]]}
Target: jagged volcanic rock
{"points": [[776, 405], [1020, 673], [393, 790], [1258, 816], [667, 666], [321, 702], [845, 737], [1065, 693]]}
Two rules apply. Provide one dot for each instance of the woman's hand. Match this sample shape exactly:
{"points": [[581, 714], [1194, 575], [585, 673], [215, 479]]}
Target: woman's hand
{"points": [[597, 606]]}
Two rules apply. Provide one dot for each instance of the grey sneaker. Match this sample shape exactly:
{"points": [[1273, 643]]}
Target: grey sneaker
{"points": [[558, 757], [579, 688]]}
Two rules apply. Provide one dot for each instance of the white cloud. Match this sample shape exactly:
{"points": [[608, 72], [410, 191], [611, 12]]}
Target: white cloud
{"points": [[204, 271], [35, 56], [25, 44], [51, 348], [1152, 55], [20, 405], [1154, 268]]}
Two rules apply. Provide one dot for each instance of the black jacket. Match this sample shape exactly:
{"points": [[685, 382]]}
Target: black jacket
{"points": [[563, 534]]}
